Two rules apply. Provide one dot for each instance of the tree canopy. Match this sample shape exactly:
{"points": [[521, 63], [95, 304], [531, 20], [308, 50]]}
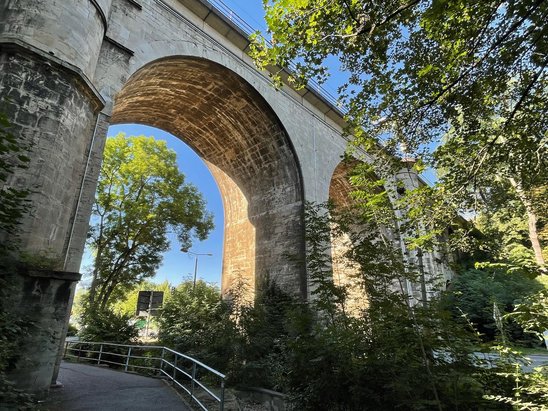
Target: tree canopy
{"points": [[141, 197], [465, 79]]}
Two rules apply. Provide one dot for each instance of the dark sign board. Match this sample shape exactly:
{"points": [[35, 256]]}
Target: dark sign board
{"points": [[149, 300]]}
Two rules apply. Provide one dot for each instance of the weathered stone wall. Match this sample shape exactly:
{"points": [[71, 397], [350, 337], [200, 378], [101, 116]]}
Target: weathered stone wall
{"points": [[51, 110], [70, 30], [42, 304], [74, 246]]}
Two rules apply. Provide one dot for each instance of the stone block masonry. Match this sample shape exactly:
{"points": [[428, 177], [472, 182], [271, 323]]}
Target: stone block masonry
{"points": [[41, 305], [50, 111]]}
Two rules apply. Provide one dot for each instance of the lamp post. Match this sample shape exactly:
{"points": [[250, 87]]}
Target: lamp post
{"points": [[196, 264]]}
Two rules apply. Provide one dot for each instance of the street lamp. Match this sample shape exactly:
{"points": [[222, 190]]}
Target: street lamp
{"points": [[195, 264]]}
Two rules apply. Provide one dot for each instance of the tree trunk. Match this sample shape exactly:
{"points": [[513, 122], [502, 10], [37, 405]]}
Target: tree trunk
{"points": [[99, 299], [95, 275], [109, 282], [106, 296], [94, 279], [532, 217]]}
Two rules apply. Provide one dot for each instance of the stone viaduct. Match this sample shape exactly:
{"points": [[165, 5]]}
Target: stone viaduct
{"points": [[69, 69]]}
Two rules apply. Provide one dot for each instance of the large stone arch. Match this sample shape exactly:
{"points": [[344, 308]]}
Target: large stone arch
{"points": [[227, 122], [57, 85], [428, 264]]}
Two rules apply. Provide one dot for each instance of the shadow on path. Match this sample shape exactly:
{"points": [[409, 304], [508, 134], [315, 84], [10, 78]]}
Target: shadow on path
{"points": [[89, 388]]}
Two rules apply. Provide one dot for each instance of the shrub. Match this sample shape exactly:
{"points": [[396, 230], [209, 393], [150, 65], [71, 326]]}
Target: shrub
{"points": [[107, 326], [13, 330], [196, 322], [474, 293], [72, 330]]}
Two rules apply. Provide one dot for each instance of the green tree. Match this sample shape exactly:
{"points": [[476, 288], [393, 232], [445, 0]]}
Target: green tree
{"points": [[474, 293], [503, 237], [196, 321], [501, 187], [474, 71], [141, 195], [532, 314]]}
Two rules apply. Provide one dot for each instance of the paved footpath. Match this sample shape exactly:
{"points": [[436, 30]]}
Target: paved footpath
{"points": [[536, 360], [89, 388]]}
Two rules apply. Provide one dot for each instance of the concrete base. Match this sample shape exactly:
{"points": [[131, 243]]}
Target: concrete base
{"points": [[41, 299], [270, 400]]}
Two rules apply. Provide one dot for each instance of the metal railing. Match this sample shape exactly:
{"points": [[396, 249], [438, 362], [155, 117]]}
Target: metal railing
{"points": [[230, 14], [185, 372], [221, 8]]}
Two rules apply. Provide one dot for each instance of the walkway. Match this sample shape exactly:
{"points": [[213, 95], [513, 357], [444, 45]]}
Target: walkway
{"points": [[536, 360], [89, 388]]}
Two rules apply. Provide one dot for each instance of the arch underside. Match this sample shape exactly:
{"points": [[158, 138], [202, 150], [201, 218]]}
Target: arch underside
{"points": [[247, 150]]}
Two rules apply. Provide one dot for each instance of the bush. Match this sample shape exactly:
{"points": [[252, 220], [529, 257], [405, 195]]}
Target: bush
{"points": [[264, 330], [13, 330], [475, 292], [384, 359], [107, 326], [196, 322], [391, 355], [72, 330]]}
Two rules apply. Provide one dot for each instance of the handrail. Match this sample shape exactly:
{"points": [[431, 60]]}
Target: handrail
{"points": [[243, 25], [246, 29], [182, 370]]}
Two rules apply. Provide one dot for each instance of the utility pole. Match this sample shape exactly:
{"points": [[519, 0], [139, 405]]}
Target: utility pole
{"points": [[195, 264]]}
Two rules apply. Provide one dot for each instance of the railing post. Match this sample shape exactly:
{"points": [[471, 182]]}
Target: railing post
{"points": [[162, 360], [192, 381], [222, 405], [174, 367], [79, 354], [100, 354], [127, 359], [66, 349]]}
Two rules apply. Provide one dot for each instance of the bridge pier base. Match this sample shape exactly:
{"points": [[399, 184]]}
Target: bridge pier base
{"points": [[52, 111], [37, 301]]}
